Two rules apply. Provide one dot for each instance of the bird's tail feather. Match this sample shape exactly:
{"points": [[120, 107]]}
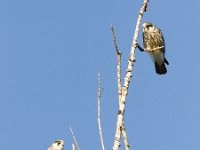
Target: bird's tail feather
{"points": [[160, 69], [166, 61]]}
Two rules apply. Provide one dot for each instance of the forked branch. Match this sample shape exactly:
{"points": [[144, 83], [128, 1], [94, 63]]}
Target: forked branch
{"points": [[122, 130], [127, 79]]}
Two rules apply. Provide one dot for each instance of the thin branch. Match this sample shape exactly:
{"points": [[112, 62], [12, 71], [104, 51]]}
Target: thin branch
{"points": [[119, 54], [114, 40], [99, 111], [75, 141], [127, 78], [123, 131], [73, 147]]}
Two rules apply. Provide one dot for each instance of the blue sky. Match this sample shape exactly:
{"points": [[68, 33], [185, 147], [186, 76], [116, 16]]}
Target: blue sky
{"points": [[50, 51]]}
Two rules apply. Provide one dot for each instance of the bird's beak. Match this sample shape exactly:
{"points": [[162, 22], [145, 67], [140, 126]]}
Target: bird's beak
{"points": [[144, 25]]}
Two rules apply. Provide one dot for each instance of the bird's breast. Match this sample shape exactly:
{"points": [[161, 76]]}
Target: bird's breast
{"points": [[157, 56]]}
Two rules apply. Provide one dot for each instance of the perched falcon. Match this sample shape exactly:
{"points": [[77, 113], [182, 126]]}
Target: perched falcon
{"points": [[154, 44], [57, 145]]}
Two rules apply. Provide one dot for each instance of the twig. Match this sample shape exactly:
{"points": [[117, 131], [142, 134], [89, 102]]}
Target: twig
{"points": [[99, 111], [73, 147], [75, 141], [119, 54], [127, 78], [123, 131], [114, 40]]}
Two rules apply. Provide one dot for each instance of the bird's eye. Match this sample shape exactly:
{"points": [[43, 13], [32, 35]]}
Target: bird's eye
{"points": [[148, 26]]}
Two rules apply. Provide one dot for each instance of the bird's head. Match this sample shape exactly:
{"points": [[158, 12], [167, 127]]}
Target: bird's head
{"points": [[57, 145], [147, 26], [59, 141]]}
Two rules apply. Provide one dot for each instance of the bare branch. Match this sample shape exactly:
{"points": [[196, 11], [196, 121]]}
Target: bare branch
{"points": [[127, 78], [123, 131], [75, 141], [99, 111], [114, 40], [118, 63], [73, 147]]}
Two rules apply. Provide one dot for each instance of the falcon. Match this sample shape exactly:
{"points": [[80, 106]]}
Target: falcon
{"points": [[154, 44]]}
